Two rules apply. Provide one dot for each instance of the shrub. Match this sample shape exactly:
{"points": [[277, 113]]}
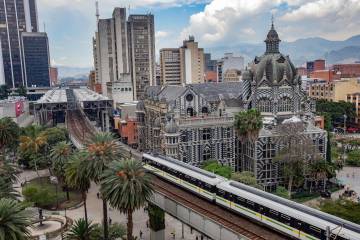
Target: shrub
{"points": [[215, 167]]}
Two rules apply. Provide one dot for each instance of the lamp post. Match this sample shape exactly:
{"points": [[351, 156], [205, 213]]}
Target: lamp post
{"points": [[345, 117]]}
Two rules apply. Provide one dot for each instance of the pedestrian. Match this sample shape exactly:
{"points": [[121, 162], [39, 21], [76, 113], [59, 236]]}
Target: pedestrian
{"points": [[140, 234], [98, 195]]}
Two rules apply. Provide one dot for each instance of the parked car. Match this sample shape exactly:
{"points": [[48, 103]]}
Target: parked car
{"points": [[352, 130]]}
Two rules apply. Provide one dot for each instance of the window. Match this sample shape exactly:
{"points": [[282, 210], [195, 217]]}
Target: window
{"points": [[189, 97], [285, 104], [264, 105], [206, 133], [190, 111], [205, 110], [206, 154]]}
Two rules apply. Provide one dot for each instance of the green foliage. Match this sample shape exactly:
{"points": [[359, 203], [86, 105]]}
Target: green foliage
{"points": [[353, 158], [21, 91], [9, 134], [4, 92], [76, 174], [245, 177], [127, 187], [248, 123], [55, 135], [156, 217], [7, 190], [282, 192], [14, 220], [214, 167], [60, 155], [116, 231], [335, 110], [82, 230], [41, 197], [342, 208]]}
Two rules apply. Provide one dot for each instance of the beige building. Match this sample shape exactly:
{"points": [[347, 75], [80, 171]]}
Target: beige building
{"points": [[355, 99], [334, 91], [170, 67], [232, 75], [192, 62], [184, 65]]}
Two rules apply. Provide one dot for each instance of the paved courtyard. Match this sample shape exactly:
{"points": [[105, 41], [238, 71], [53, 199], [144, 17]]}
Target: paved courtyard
{"points": [[140, 217]]}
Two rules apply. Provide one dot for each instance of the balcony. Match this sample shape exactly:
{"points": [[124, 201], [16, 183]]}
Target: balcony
{"points": [[205, 121]]}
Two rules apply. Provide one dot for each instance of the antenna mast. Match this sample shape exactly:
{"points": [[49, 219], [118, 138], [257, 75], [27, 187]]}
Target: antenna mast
{"points": [[97, 11]]}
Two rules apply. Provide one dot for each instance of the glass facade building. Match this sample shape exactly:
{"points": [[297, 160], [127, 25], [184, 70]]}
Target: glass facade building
{"points": [[36, 59]]}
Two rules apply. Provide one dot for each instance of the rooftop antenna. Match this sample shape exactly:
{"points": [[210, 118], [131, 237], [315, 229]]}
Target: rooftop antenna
{"points": [[44, 27], [272, 21], [129, 9], [97, 11]]}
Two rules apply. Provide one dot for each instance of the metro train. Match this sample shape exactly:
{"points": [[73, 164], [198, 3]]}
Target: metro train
{"points": [[288, 217]]}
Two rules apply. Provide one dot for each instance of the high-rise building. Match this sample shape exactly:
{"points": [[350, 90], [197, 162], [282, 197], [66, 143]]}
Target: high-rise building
{"points": [[231, 63], [192, 62], [54, 76], [36, 59], [16, 17], [210, 65], [141, 37], [170, 69], [2, 75], [123, 47]]}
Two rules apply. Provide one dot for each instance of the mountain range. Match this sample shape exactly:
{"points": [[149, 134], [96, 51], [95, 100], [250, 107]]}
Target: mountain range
{"points": [[301, 50]]}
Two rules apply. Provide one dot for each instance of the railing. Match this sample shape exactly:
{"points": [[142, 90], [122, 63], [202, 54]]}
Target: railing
{"points": [[205, 121]]}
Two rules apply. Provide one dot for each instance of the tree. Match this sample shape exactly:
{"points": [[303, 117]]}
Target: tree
{"points": [[353, 158], [82, 230], [335, 110], [214, 167], [14, 220], [31, 145], [102, 149], [297, 152], [55, 135], [7, 190], [21, 91], [77, 177], [9, 134], [4, 92], [248, 123], [156, 217], [322, 171], [245, 177], [127, 187], [60, 155]]}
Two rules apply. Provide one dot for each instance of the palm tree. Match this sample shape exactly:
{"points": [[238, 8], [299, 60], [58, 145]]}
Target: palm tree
{"points": [[32, 144], [102, 149], [60, 155], [14, 220], [7, 190], [248, 123], [321, 171], [77, 177], [82, 230], [127, 187], [9, 133]]}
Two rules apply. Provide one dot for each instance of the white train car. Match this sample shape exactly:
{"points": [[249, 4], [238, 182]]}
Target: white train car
{"points": [[201, 182], [294, 219]]}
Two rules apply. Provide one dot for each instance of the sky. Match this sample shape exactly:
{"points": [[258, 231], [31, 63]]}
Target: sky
{"points": [[70, 24]]}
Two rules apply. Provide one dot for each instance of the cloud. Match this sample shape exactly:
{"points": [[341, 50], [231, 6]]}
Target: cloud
{"points": [[161, 34], [233, 21]]}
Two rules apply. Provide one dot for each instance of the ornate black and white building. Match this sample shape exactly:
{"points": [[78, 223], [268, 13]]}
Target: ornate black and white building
{"points": [[194, 123], [272, 85]]}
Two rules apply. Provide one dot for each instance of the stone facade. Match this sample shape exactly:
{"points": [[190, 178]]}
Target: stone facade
{"points": [[193, 123]]}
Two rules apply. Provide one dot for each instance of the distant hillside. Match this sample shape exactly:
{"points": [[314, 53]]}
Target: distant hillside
{"points": [[301, 50], [73, 72]]}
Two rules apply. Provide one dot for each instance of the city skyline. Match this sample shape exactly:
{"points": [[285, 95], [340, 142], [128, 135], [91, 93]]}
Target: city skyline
{"points": [[211, 22]]}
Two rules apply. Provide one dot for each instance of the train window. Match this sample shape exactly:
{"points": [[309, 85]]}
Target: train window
{"points": [[315, 229], [240, 200], [221, 193], [285, 219]]}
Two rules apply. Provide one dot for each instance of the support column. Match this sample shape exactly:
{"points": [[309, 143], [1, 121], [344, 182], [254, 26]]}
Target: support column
{"points": [[157, 222]]}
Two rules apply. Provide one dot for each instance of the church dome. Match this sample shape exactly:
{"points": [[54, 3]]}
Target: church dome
{"points": [[171, 126], [273, 68]]}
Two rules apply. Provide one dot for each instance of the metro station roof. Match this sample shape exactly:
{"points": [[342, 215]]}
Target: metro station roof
{"points": [[85, 94], [53, 96]]}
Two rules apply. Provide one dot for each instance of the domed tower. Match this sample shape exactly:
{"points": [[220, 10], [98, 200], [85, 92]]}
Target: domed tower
{"points": [[171, 135], [140, 116], [271, 84]]}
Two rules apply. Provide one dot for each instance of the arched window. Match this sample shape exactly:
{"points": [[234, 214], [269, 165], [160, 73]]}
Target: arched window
{"points": [[206, 154], [204, 110], [190, 111], [285, 104], [264, 105]]}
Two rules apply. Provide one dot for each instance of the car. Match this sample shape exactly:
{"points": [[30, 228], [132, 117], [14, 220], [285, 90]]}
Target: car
{"points": [[352, 130]]}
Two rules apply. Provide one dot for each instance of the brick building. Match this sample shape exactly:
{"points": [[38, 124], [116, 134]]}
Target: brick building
{"points": [[347, 70]]}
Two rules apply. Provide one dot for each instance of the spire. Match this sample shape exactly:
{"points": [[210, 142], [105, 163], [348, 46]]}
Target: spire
{"points": [[97, 11], [272, 40]]}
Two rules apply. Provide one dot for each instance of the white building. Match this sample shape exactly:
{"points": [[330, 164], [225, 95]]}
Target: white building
{"points": [[229, 63], [121, 91]]}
